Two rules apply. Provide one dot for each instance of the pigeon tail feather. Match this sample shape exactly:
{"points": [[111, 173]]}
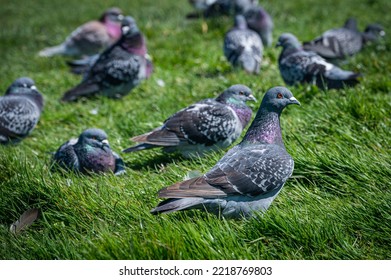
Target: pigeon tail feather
{"points": [[176, 204], [84, 89], [56, 50], [140, 147]]}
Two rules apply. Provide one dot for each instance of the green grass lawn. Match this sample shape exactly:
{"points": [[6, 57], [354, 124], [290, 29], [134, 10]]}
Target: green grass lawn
{"points": [[337, 205]]}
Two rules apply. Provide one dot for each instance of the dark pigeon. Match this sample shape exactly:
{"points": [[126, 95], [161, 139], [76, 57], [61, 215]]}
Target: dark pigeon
{"points": [[261, 22], [243, 47], [342, 42], [298, 66], [118, 69], [248, 177], [20, 110], [90, 153], [91, 37], [205, 126]]}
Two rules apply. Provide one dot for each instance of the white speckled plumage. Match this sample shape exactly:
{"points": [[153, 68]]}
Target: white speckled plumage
{"points": [[205, 126]]}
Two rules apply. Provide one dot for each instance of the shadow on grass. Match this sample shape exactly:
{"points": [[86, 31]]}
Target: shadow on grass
{"points": [[156, 162]]}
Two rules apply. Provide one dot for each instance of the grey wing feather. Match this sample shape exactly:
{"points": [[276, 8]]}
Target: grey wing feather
{"points": [[203, 123], [18, 116], [252, 170], [66, 156]]}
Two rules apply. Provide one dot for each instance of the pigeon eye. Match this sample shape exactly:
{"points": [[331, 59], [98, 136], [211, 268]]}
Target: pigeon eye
{"points": [[241, 93], [279, 95]]}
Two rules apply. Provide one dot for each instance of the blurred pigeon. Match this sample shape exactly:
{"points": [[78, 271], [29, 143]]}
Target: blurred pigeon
{"points": [[341, 42], [211, 8], [20, 110], [248, 177], [89, 153], [299, 66], [242, 6], [205, 126], [118, 69], [261, 22], [91, 37], [243, 47]]}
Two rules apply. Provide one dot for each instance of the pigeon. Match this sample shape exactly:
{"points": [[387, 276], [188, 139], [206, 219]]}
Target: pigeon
{"points": [[118, 69], [91, 37], [248, 177], [342, 42], [242, 6], [20, 110], [90, 153], [205, 126], [212, 8], [261, 22], [300, 66], [243, 47]]}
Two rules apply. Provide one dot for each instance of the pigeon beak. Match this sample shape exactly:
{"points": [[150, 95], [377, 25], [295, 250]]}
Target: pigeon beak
{"points": [[382, 33], [294, 101], [252, 98], [33, 87], [120, 17], [278, 44], [105, 142], [125, 29]]}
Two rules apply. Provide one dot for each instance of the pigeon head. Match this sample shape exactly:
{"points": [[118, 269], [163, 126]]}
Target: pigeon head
{"points": [[288, 40], [112, 14], [236, 94], [22, 85], [240, 22], [266, 125], [129, 27], [94, 137], [373, 32], [277, 98]]}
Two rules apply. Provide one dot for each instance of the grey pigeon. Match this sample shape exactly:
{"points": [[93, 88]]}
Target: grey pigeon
{"points": [[212, 8], [91, 37], [20, 110], [342, 42], [205, 126], [90, 153], [261, 22], [242, 6], [243, 47], [248, 177], [300, 66], [118, 69]]}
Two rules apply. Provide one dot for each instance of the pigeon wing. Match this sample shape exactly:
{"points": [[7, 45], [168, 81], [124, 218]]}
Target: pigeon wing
{"points": [[249, 171], [18, 116]]}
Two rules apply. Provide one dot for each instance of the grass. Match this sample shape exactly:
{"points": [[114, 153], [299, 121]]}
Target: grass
{"points": [[337, 205]]}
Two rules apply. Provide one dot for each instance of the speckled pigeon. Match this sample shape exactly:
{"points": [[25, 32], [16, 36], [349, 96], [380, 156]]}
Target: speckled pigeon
{"points": [[205, 126], [20, 110], [248, 177], [243, 47], [90, 153], [261, 22], [118, 69], [341, 42], [300, 66], [91, 37]]}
